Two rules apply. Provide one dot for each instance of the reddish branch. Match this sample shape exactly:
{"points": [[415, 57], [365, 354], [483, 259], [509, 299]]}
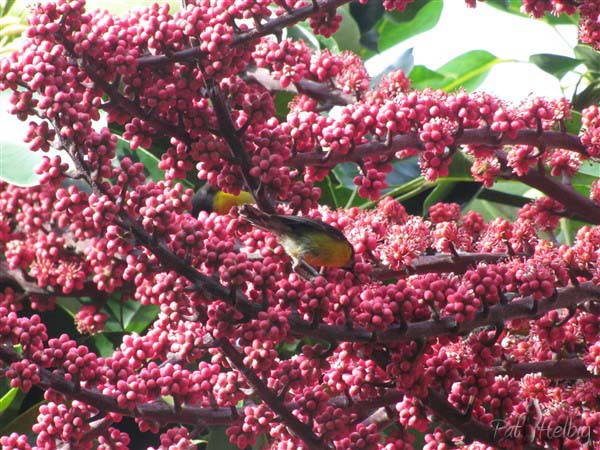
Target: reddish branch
{"points": [[159, 411], [481, 136], [321, 92], [524, 308], [272, 26], [169, 260], [573, 200], [563, 369], [302, 430], [215, 290], [472, 429], [496, 316], [233, 138], [16, 278], [117, 100], [162, 413], [439, 264]]}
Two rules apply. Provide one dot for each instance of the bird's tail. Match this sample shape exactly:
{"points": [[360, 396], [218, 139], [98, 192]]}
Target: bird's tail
{"points": [[261, 219]]}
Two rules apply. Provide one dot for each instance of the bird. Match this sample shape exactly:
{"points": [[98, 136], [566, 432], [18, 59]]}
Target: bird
{"points": [[309, 242], [210, 199]]}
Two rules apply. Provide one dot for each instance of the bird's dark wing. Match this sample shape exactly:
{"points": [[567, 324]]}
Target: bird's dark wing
{"points": [[287, 225], [306, 223], [202, 200]]}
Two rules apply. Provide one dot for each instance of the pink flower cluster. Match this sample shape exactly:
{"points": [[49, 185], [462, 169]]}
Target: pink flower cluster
{"points": [[450, 316]]}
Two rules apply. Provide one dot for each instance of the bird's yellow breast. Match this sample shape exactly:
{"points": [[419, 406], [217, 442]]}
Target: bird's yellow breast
{"points": [[318, 249], [223, 202]]}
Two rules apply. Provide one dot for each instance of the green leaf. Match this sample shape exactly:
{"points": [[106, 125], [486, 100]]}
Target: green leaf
{"points": [[12, 27], [369, 40], [23, 422], [338, 189], [589, 57], [422, 77], [490, 210], [303, 32], [460, 167], [117, 309], [448, 190], [403, 62], [328, 43], [563, 19], [569, 228], [503, 198], [345, 174], [439, 193], [335, 195], [218, 440], [514, 7], [512, 188], [366, 15], [556, 65], [150, 163], [17, 163], [582, 182], [287, 349], [418, 17], [589, 96], [282, 103], [70, 305], [7, 399], [459, 187], [10, 404], [468, 70], [146, 157], [574, 125], [348, 35], [103, 345], [509, 6], [404, 171], [18, 9], [262, 442], [142, 319], [590, 168], [6, 6], [133, 316], [408, 191]]}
